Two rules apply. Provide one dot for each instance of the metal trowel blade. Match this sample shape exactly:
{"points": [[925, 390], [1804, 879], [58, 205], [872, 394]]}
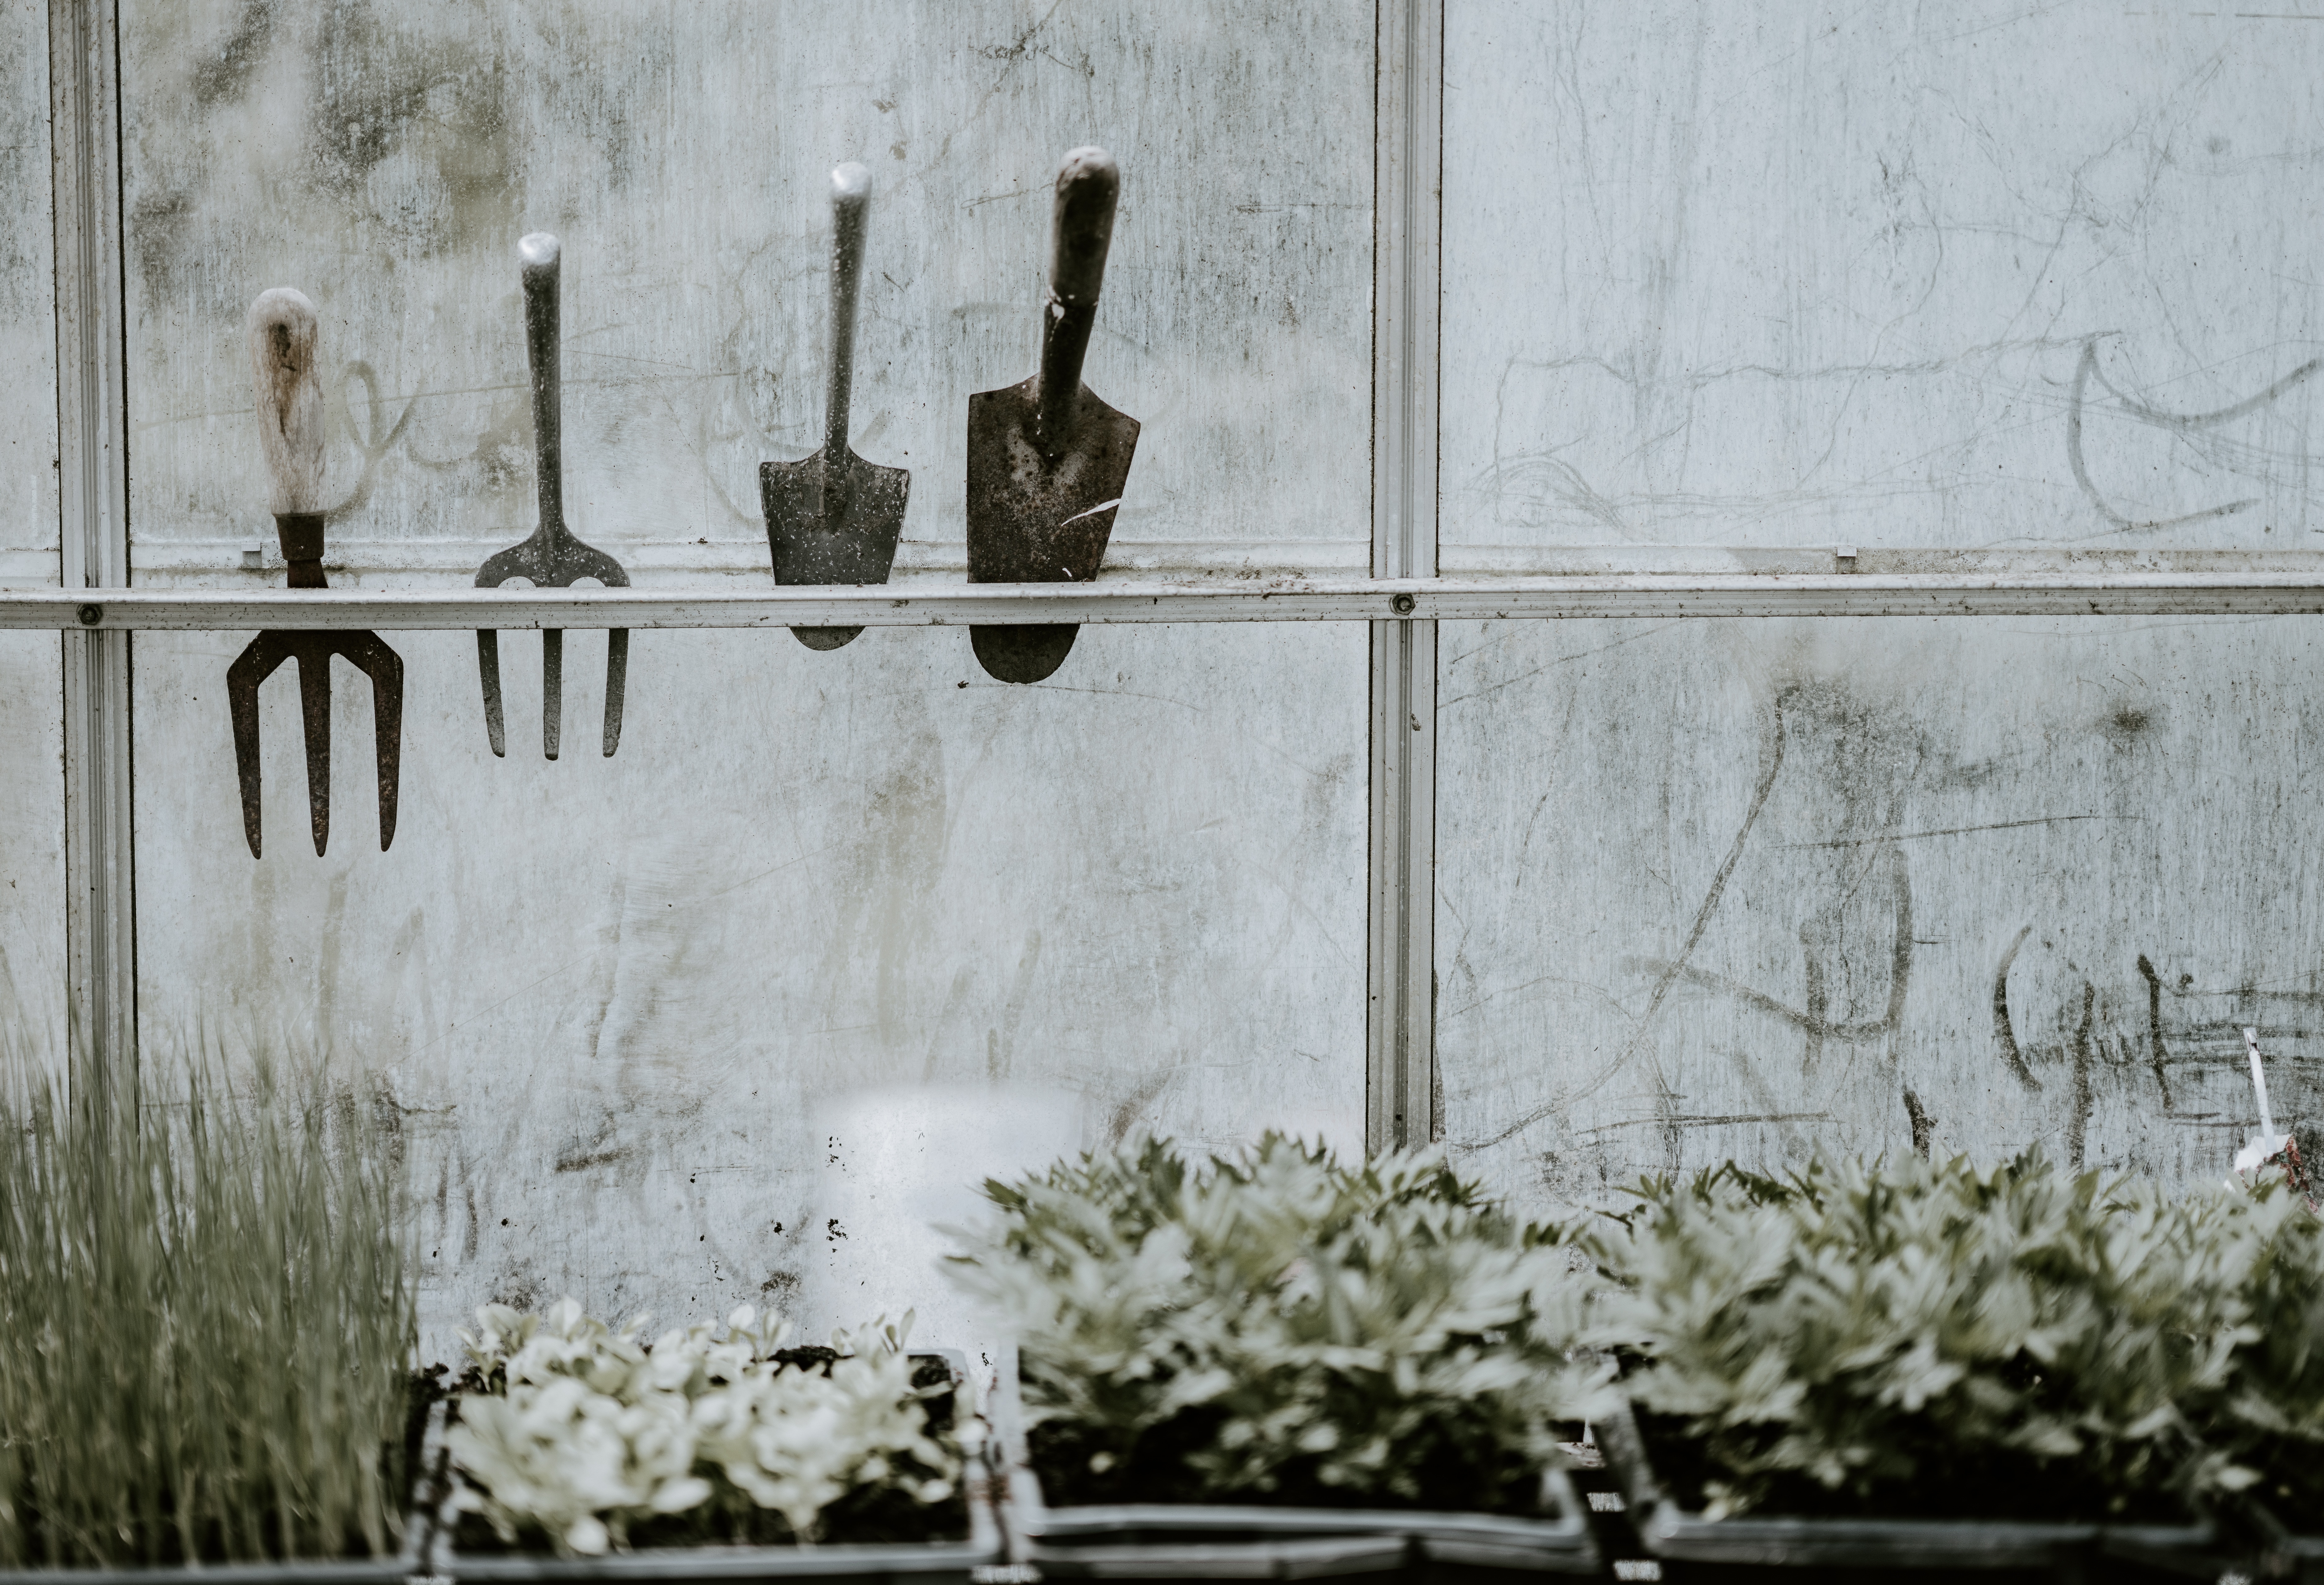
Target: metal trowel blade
{"points": [[1032, 519], [856, 544]]}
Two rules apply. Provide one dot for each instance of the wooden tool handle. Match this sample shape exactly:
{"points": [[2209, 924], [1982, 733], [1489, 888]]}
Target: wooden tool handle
{"points": [[851, 208], [1088, 184], [283, 328], [540, 254]]}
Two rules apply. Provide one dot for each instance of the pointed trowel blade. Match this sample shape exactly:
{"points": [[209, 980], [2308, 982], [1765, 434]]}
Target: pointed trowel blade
{"points": [[856, 546], [1034, 521]]}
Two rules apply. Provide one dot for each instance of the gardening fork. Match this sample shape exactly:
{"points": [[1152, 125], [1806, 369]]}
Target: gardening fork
{"points": [[282, 333], [552, 558]]}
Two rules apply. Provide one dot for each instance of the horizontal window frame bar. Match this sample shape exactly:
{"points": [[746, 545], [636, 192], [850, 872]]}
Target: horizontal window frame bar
{"points": [[1637, 596]]}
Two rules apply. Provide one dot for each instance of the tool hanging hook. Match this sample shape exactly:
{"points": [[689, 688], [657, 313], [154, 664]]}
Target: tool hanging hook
{"points": [[283, 331], [834, 518], [550, 558], [1047, 461]]}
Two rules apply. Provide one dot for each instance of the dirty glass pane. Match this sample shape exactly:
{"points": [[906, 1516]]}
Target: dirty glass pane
{"points": [[1740, 889], [1958, 278], [628, 1010], [32, 778], [1963, 286]]}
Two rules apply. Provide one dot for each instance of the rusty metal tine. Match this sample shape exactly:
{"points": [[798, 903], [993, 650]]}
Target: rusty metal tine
{"points": [[281, 331], [258, 658], [315, 710], [368, 653], [617, 674], [488, 667], [552, 690]]}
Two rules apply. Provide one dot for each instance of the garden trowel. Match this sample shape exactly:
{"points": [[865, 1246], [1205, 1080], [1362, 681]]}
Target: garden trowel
{"points": [[551, 557], [282, 334], [1047, 461], [834, 518]]}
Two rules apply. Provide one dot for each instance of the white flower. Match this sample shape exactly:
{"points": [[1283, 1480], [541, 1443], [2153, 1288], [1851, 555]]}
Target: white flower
{"points": [[593, 1430]]}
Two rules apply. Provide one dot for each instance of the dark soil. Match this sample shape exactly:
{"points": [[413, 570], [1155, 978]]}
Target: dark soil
{"points": [[1456, 1474], [1992, 1486]]}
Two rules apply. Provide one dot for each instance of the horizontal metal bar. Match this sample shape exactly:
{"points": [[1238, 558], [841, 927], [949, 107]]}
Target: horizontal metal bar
{"points": [[1659, 596]]}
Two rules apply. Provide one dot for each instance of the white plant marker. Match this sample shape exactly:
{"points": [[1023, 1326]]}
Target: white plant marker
{"points": [[2266, 1142]]}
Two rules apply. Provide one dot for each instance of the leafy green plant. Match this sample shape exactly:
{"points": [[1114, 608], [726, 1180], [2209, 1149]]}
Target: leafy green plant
{"points": [[1909, 1338], [1281, 1327], [593, 1439], [208, 1327], [2268, 1416]]}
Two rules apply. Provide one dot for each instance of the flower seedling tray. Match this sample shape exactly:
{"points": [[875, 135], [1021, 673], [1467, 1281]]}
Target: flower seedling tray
{"points": [[922, 1562], [2063, 1550]]}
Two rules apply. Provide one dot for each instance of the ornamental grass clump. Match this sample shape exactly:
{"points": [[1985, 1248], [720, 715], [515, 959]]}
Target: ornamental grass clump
{"points": [[588, 1438], [1278, 1327], [209, 1328], [1910, 1339]]}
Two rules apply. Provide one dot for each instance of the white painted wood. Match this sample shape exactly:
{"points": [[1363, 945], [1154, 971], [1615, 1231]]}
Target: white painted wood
{"points": [[289, 399]]}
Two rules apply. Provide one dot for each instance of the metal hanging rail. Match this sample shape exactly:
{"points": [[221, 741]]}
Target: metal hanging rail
{"points": [[1659, 596]]}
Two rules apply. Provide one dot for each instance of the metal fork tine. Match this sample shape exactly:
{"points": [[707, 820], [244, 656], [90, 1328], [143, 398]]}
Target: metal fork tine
{"points": [[368, 653], [488, 666], [552, 690], [315, 708], [617, 673], [282, 338], [260, 657], [549, 558]]}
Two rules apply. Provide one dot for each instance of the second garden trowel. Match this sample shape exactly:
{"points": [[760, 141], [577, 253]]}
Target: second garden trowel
{"points": [[834, 518], [1047, 461]]}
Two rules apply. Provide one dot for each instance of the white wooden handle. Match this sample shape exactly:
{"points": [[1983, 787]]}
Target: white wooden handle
{"points": [[282, 334]]}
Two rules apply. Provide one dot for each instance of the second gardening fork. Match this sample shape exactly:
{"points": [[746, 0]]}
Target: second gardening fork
{"points": [[283, 335], [552, 558]]}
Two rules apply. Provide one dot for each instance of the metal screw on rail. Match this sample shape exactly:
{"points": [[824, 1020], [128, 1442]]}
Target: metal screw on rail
{"points": [[283, 335], [552, 559], [834, 518], [1047, 461]]}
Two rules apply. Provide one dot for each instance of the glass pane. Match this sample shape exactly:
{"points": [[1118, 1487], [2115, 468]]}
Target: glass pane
{"points": [[32, 703], [629, 1008], [1729, 288]]}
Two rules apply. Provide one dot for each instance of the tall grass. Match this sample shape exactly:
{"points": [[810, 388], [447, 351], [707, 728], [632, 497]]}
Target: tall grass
{"points": [[206, 1325]]}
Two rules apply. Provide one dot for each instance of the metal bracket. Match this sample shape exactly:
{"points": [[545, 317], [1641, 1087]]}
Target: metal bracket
{"points": [[1401, 1107], [93, 495]]}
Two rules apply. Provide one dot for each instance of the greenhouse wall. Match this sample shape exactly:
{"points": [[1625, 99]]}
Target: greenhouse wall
{"points": [[1742, 288], [1759, 289]]}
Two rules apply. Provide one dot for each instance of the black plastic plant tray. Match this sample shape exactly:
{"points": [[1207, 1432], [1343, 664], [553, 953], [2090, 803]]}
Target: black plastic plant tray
{"points": [[2066, 1549], [1158, 1541], [935, 1563], [318, 1571], [922, 1562], [2284, 1552]]}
